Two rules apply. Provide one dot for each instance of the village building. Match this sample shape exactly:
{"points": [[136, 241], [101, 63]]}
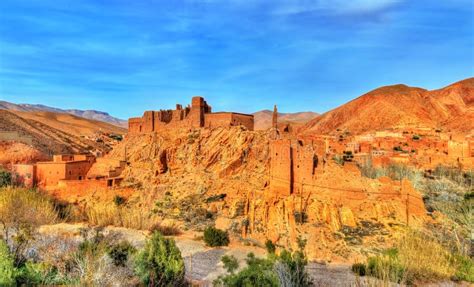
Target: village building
{"points": [[199, 114]]}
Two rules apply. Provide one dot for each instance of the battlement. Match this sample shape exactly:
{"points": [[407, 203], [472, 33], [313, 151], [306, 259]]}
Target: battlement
{"points": [[197, 115]]}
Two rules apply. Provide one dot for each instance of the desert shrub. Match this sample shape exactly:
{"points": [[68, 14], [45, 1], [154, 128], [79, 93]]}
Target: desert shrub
{"points": [[43, 274], [230, 263], [119, 200], [291, 269], [359, 268], [286, 269], [258, 273], [8, 271], [271, 248], [120, 253], [215, 237], [19, 207], [5, 178], [166, 230], [418, 256], [338, 159], [160, 263]]}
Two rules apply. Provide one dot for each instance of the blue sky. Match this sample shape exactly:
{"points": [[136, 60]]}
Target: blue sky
{"points": [[124, 56]]}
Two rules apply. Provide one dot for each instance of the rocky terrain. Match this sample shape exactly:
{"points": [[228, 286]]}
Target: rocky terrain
{"points": [[207, 176], [450, 108]]}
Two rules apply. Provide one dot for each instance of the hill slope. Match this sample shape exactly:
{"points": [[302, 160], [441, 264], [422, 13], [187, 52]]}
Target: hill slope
{"points": [[88, 114], [55, 133], [399, 106], [263, 119]]}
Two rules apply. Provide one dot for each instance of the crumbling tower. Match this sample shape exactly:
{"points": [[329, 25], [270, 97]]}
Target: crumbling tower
{"points": [[275, 117]]}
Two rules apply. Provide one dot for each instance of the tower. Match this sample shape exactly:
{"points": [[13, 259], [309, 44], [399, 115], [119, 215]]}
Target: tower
{"points": [[275, 117]]}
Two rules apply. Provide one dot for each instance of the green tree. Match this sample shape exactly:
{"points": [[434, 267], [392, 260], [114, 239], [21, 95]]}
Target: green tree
{"points": [[160, 263]]}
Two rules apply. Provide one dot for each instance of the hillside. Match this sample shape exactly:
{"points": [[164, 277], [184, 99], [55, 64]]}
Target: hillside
{"points": [[51, 133], [398, 106], [263, 119], [88, 114], [221, 176]]}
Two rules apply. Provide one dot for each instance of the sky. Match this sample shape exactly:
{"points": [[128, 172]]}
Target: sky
{"points": [[124, 56]]}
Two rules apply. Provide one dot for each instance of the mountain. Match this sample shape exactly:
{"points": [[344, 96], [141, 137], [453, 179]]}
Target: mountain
{"points": [[263, 119], [450, 108], [55, 133], [88, 114]]}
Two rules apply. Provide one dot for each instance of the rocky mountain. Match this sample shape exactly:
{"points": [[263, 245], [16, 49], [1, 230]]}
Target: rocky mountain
{"points": [[88, 114], [263, 119], [450, 108]]}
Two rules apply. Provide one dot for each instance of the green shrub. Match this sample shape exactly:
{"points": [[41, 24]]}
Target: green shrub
{"points": [[119, 253], [359, 269], [291, 269], [258, 273], [5, 178], [215, 237], [160, 263], [271, 248], [230, 263], [119, 200], [8, 272]]}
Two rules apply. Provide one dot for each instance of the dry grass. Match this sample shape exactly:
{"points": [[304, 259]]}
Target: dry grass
{"points": [[105, 214], [22, 206], [425, 258], [419, 257]]}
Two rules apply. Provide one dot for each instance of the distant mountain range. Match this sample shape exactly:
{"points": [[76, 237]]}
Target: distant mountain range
{"points": [[263, 119], [88, 114]]}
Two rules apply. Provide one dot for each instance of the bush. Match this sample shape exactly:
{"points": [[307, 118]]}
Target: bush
{"points": [[271, 248], [288, 269], [5, 178], [215, 237], [160, 263], [119, 253], [8, 272], [258, 273], [119, 200], [359, 269], [291, 269], [230, 263]]}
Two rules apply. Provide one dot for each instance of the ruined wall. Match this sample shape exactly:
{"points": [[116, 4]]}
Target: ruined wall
{"points": [[242, 119], [49, 173], [281, 169], [77, 170], [196, 116], [293, 164], [135, 125], [25, 174], [218, 120]]}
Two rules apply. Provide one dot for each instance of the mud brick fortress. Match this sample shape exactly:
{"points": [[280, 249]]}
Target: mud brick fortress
{"points": [[78, 172], [197, 115]]}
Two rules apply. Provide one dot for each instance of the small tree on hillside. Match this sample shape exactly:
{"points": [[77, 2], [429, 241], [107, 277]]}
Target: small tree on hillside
{"points": [[160, 263]]}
